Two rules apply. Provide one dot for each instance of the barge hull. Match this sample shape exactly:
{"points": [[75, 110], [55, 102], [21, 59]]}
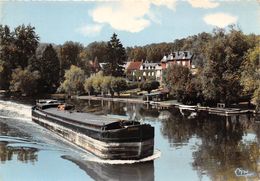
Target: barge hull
{"points": [[104, 150]]}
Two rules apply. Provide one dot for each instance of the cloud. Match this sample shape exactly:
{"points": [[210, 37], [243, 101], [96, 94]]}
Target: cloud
{"points": [[220, 19], [129, 15], [203, 4], [90, 29], [170, 4]]}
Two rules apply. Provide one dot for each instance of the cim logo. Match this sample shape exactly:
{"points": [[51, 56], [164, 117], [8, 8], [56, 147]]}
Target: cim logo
{"points": [[244, 173]]}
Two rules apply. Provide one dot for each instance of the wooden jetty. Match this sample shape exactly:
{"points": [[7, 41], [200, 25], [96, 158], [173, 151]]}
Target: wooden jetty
{"points": [[209, 110]]}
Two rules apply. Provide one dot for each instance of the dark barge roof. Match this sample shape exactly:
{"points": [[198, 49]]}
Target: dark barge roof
{"points": [[82, 117]]}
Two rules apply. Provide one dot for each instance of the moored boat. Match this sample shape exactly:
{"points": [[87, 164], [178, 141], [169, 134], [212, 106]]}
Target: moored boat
{"points": [[105, 137]]}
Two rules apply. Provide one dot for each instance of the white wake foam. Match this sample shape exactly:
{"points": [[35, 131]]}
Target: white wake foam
{"points": [[16, 108], [22, 112], [157, 154]]}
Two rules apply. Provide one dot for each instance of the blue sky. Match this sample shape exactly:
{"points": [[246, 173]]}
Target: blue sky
{"points": [[136, 22]]}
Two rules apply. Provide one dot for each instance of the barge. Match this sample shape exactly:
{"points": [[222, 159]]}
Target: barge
{"points": [[107, 138]]}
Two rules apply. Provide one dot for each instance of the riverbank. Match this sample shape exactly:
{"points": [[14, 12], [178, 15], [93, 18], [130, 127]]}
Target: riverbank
{"points": [[113, 99], [171, 104]]}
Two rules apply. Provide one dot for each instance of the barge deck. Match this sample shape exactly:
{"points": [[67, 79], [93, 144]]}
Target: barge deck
{"points": [[105, 137]]}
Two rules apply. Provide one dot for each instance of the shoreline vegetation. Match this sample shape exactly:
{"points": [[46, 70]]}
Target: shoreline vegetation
{"points": [[226, 60], [242, 108]]}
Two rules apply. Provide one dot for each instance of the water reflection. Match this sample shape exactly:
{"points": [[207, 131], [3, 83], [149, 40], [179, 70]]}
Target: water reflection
{"points": [[23, 154], [11, 147], [133, 111], [225, 143], [104, 172], [223, 148]]}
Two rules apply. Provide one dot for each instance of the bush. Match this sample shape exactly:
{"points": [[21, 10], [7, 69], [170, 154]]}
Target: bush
{"points": [[118, 85], [132, 85], [149, 86], [24, 81]]}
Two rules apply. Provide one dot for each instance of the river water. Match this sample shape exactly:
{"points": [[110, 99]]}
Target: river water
{"points": [[188, 147]]}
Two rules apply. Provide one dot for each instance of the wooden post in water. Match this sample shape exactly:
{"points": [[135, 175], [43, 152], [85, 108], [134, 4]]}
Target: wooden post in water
{"points": [[228, 118]]}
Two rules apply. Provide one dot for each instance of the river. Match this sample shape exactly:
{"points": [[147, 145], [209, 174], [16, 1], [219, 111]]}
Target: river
{"points": [[190, 147]]}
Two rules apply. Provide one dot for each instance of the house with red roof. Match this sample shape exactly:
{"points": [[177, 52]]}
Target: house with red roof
{"points": [[132, 70], [145, 70]]}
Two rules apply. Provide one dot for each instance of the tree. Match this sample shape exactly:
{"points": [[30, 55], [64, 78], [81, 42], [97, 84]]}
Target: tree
{"points": [[88, 87], [6, 44], [96, 50], [69, 54], [16, 48], [155, 52], [47, 63], [136, 53], [116, 56], [106, 85], [224, 56], [25, 44], [181, 83], [250, 78], [118, 85], [24, 81], [74, 80], [149, 86], [97, 81]]}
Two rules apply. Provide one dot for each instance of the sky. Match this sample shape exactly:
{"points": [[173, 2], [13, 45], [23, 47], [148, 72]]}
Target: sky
{"points": [[136, 22]]}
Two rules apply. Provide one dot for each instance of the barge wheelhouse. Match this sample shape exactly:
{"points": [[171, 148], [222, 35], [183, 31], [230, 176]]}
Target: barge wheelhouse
{"points": [[103, 136]]}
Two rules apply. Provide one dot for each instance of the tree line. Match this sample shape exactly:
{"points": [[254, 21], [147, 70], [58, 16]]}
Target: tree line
{"points": [[30, 67], [229, 73], [227, 64]]}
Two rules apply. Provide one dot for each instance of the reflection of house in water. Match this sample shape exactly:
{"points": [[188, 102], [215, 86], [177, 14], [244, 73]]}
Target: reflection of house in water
{"points": [[104, 172], [23, 154]]}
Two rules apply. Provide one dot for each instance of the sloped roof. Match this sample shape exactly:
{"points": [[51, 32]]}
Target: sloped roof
{"points": [[134, 65], [180, 55]]}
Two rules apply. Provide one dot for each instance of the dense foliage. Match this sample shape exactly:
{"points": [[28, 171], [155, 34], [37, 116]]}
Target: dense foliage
{"points": [[16, 47], [219, 77], [116, 57], [227, 64], [100, 84], [251, 74], [149, 85], [24, 81], [74, 81], [182, 85]]}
